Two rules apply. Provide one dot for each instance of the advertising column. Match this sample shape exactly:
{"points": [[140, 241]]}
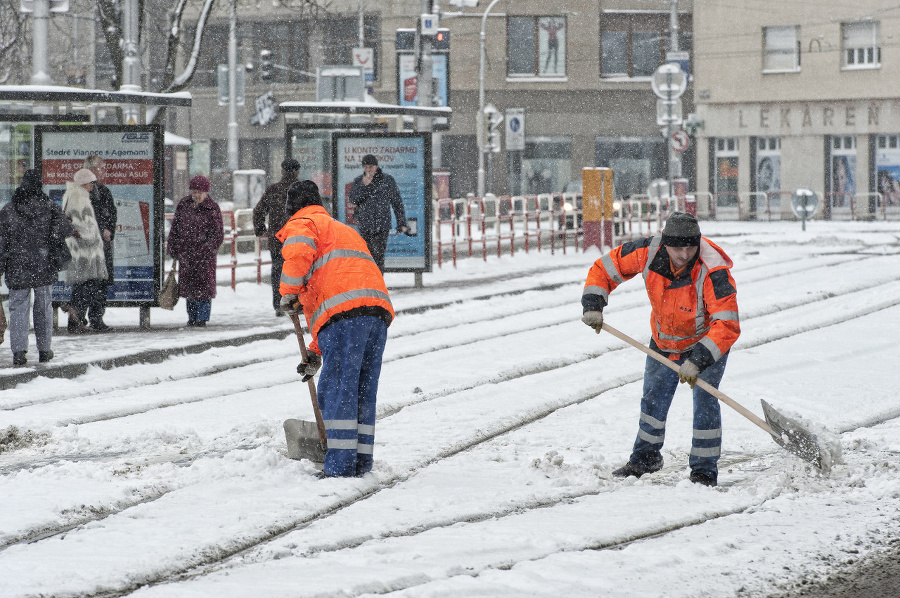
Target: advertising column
{"points": [[133, 157], [597, 207]]}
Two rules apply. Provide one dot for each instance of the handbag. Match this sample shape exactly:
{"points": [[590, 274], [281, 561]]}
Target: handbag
{"points": [[168, 295]]}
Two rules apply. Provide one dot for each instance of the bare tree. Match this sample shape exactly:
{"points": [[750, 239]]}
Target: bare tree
{"points": [[12, 38]]}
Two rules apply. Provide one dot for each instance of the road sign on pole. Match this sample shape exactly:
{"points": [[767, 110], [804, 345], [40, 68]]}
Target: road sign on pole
{"points": [[515, 129], [680, 141]]}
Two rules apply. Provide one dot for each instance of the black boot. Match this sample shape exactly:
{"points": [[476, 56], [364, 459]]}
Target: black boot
{"points": [[19, 358], [704, 478], [45, 356], [638, 469]]}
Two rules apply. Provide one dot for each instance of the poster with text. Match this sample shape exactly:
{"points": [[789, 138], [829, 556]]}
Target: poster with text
{"points": [[133, 156], [407, 158]]}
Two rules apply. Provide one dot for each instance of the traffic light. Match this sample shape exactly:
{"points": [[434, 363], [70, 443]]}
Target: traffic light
{"points": [[441, 41], [493, 120], [266, 66]]}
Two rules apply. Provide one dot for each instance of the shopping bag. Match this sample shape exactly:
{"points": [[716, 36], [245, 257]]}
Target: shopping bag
{"points": [[168, 295]]}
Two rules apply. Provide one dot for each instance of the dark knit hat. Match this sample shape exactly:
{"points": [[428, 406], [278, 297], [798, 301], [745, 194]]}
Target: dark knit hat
{"points": [[369, 160], [681, 230], [199, 183], [31, 180], [290, 165], [301, 195]]}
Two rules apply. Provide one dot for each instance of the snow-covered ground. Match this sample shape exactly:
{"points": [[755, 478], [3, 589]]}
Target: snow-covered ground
{"points": [[501, 417]]}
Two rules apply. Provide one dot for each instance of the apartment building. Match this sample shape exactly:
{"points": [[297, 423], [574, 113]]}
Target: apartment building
{"points": [[580, 70], [795, 95]]}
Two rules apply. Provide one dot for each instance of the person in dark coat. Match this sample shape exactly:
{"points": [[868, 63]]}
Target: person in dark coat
{"points": [[194, 241], [374, 194], [32, 252], [271, 204], [106, 214]]}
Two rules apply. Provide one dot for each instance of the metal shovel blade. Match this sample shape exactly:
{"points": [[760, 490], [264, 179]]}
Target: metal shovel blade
{"points": [[303, 441], [795, 438]]}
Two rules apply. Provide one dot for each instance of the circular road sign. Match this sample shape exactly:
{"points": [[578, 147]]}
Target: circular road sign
{"points": [[804, 203], [680, 141], [669, 81]]}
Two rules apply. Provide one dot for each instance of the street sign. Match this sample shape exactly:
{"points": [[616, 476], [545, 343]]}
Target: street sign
{"points": [[658, 189], [804, 203], [224, 87], [682, 59], [680, 141], [669, 81], [515, 129], [668, 112]]}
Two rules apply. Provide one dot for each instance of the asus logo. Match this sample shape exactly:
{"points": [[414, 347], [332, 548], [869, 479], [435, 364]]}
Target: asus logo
{"points": [[135, 137]]}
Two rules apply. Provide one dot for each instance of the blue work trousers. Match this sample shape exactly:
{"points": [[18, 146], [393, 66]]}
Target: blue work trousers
{"points": [[198, 310], [660, 383], [348, 385]]}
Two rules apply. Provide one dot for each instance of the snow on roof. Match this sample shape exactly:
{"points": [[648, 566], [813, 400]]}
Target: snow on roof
{"points": [[173, 139]]}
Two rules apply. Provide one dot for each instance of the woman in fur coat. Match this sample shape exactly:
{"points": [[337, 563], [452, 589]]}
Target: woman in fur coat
{"points": [[87, 271]]}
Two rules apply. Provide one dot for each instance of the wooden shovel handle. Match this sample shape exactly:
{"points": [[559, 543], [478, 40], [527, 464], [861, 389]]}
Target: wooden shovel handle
{"points": [[701, 383], [320, 423]]}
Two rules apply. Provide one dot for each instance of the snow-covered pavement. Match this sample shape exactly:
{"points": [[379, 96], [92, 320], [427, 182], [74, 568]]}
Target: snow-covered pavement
{"points": [[501, 417]]}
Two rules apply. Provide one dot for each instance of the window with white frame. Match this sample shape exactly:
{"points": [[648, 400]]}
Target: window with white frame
{"points": [[536, 46], [862, 44], [781, 49]]}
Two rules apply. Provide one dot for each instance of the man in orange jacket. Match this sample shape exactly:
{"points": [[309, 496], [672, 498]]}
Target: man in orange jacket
{"points": [[694, 322], [330, 273]]}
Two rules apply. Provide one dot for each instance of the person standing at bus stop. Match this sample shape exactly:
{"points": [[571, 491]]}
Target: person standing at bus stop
{"points": [[194, 241], [106, 215], [271, 205], [374, 194]]}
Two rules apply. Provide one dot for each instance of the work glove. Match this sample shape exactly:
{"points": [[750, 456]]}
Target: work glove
{"points": [[309, 367], [688, 372], [594, 319], [290, 305]]}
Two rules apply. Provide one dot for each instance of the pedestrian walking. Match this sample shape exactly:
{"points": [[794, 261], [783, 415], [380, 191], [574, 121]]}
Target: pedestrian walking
{"points": [[374, 194], [194, 241], [271, 209], [694, 322], [87, 270], [32, 252], [330, 275], [107, 216]]}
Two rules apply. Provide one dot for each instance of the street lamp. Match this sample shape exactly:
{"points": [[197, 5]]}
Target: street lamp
{"points": [[479, 119]]}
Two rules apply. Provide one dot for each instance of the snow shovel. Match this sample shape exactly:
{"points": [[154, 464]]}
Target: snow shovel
{"points": [[785, 431], [306, 440]]}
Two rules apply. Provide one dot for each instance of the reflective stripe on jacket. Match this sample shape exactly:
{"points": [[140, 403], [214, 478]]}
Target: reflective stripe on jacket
{"points": [[327, 265], [695, 311]]}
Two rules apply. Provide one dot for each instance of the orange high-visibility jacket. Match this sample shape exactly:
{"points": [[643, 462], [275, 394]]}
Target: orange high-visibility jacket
{"points": [[328, 266], [696, 311]]}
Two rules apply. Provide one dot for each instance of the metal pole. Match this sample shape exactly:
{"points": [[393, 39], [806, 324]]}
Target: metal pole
{"points": [[479, 118], [674, 159], [131, 63], [362, 30], [40, 59], [425, 74], [232, 141]]}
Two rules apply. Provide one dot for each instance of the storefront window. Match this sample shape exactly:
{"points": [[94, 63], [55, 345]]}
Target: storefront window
{"points": [[767, 173], [887, 168], [843, 173], [546, 164], [726, 172], [635, 162]]}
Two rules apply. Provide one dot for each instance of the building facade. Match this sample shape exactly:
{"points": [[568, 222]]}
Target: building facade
{"points": [[795, 95], [579, 69]]}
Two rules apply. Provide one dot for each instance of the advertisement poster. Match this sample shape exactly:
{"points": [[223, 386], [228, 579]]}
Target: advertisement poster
{"points": [[887, 168], [407, 158], [313, 150], [408, 80], [133, 157]]}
